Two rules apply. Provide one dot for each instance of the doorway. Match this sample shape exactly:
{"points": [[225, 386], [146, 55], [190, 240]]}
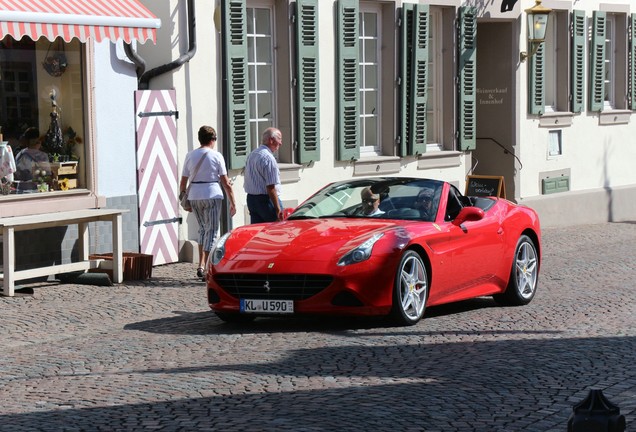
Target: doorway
{"points": [[495, 154]]}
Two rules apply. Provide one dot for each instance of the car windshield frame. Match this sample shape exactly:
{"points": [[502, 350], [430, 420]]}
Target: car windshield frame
{"points": [[397, 200]]}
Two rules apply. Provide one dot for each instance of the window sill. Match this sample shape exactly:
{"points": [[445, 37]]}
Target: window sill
{"points": [[556, 119], [614, 117], [377, 165], [439, 159], [289, 173], [46, 202]]}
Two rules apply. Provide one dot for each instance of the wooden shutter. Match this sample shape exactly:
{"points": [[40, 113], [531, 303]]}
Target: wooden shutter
{"points": [[307, 80], [348, 81], [406, 60], [419, 80], [235, 73], [577, 65], [632, 63], [597, 61], [467, 75], [536, 81]]}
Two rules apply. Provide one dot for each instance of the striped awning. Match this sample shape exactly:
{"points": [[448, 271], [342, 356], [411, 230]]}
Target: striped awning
{"points": [[83, 19]]}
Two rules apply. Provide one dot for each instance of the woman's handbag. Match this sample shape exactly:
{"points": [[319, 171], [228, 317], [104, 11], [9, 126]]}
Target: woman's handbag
{"points": [[185, 202], [183, 199]]}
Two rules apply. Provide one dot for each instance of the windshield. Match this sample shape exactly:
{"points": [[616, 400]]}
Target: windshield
{"points": [[398, 198]]}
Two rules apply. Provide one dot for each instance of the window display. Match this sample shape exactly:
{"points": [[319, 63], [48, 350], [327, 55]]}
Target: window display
{"points": [[41, 112]]}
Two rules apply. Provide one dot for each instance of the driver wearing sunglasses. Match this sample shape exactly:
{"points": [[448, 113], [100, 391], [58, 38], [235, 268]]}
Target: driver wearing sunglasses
{"points": [[370, 202]]}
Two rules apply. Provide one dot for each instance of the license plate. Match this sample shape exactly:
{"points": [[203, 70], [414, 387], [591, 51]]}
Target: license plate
{"points": [[267, 306]]}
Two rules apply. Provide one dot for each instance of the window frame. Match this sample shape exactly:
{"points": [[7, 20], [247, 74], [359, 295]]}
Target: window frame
{"points": [[557, 63], [255, 92], [435, 86], [441, 75], [608, 93], [616, 61], [609, 76], [376, 149]]}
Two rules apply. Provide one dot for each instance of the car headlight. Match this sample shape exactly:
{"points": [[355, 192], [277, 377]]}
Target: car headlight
{"points": [[219, 249], [360, 253]]}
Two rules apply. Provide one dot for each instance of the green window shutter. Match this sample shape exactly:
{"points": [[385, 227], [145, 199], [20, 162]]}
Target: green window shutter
{"points": [[307, 80], [632, 63], [597, 62], [406, 60], [467, 75], [235, 72], [577, 67], [348, 81], [419, 80], [536, 82]]}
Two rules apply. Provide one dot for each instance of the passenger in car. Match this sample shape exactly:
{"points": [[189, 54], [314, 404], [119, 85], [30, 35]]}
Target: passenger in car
{"points": [[424, 203]]}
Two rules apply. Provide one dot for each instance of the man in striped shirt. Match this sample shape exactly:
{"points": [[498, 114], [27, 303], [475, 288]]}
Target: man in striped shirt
{"points": [[262, 179]]}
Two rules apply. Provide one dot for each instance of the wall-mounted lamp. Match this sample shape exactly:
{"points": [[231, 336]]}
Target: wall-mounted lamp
{"points": [[537, 26]]}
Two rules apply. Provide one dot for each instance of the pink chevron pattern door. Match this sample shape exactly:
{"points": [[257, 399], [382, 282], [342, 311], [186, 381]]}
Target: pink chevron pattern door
{"points": [[157, 177]]}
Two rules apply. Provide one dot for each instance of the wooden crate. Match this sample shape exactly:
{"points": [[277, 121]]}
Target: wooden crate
{"points": [[64, 168], [136, 266]]}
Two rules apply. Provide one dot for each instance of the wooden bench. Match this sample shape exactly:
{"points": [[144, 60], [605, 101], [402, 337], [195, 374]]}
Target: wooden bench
{"points": [[81, 218]]}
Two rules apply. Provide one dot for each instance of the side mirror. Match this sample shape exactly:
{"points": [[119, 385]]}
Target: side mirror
{"points": [[468, 214], [286, 212]]}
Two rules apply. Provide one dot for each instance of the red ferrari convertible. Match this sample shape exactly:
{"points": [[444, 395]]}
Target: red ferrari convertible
{"points": [[381, 246]]}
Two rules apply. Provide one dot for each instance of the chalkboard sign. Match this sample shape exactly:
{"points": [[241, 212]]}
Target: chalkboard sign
{"points": [[477, 185]]}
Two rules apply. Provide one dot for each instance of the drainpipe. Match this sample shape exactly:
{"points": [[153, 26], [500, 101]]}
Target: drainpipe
{"points": [[144, 76], [136, 59]]}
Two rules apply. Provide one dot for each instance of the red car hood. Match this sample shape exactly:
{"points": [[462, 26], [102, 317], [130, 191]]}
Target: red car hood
{"points": [[301, 240]]}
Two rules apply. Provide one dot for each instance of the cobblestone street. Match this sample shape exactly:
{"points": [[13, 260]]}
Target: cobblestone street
{"points": [[149, 355]]}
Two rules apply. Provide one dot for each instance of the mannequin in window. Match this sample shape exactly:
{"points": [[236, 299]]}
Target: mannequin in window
{"points": [[31, 158]]}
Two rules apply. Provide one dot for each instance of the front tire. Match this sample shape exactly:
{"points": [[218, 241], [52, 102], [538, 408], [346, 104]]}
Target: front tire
{"points": [[410, 290], [524, 274]]}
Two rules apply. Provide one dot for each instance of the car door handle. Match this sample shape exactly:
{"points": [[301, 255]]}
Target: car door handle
{"points": [[500, 230]]}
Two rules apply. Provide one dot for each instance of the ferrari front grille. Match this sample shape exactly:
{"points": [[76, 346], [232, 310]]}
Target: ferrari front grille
{"points": [[272, 287]]}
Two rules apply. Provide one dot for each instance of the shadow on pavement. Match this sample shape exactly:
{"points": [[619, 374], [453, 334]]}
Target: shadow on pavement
{"points": [[490, 385], [202, 323]]}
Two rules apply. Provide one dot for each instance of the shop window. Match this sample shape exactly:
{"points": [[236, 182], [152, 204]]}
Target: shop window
{"points": [[41, 114]]}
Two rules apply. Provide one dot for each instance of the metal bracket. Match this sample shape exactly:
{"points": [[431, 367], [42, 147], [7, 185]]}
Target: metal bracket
{"points": [[163, 221], [160, 113]]}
